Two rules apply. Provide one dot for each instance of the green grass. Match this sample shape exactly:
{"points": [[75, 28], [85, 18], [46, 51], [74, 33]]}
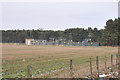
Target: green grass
{"points": [[16, 68]]}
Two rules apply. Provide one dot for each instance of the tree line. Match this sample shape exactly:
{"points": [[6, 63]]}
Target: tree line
{"points": [[109, 36]]}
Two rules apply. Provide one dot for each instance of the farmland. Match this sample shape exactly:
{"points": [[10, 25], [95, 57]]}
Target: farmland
{"points": [[46, 59]]}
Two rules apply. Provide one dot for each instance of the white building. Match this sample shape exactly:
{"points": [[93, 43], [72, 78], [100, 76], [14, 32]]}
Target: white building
{"points": [[29, 41]]}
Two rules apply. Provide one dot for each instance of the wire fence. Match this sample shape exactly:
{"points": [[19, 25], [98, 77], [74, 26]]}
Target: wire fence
{"points": [[59, 68]]}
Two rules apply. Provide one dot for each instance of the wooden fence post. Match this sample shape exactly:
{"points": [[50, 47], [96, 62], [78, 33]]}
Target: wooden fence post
{"points": [[91, 67], [71, 68], [105, 63], [116, 59], [97, 64], [29, 71], [111, 63], [118, 65]]}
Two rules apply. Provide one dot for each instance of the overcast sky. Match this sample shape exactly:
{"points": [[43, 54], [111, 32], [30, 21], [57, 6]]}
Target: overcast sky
{"points": [[57, 15]]}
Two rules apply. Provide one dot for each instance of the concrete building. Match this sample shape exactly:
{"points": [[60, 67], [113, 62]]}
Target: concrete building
{"points": [[29, 41]]}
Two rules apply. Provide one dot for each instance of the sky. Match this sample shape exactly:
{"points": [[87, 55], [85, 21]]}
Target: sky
{"points": [[57, 15], [119, 9]]}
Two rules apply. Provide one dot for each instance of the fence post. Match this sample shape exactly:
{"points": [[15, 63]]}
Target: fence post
{"points": [[116, 60], [91, 68], [29, 71], [111, 63], [97, 64], [71, 68], [118, 64], [105, 63]]}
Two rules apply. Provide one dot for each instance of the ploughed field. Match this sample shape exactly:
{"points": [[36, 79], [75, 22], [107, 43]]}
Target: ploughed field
{"points": [[48, 59]]}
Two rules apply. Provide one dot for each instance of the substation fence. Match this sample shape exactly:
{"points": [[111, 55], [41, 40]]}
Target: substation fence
{"points": [[69, 43], [63, 68]]}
